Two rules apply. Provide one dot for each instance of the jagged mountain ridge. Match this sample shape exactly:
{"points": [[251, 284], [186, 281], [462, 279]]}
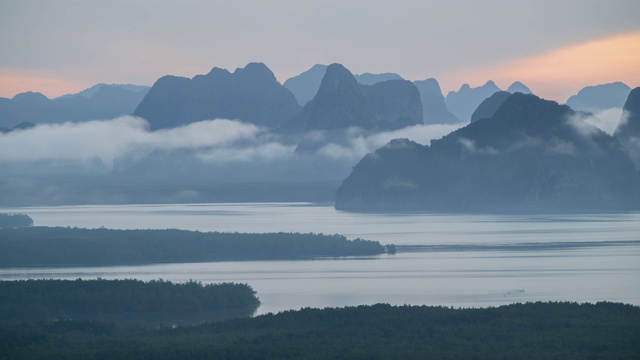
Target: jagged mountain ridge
{"points": [[251, 94], [341, 103]]}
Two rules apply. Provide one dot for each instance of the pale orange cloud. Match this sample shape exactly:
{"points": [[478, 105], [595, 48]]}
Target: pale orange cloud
{"points": [[14, 81], [561, 73]]}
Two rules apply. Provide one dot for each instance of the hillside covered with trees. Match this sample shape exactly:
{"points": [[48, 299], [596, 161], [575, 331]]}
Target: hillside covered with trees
{"points": [[519, 331]]}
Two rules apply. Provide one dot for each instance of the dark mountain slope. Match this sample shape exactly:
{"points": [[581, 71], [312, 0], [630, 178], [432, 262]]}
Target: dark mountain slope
{"points": [[490, 105], [628, 130]]}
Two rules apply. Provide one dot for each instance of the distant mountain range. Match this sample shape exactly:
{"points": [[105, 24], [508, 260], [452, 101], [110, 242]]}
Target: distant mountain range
{"points": [[100, 102], [518, 153], [252, 94], [531, 155]]}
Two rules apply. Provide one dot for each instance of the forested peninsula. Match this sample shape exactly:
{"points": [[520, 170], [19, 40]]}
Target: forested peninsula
{"points": [[519, 331], [64, 246]]}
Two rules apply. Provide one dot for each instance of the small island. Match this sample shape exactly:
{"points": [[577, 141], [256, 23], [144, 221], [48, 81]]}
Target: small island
{"points": [[124, 300], [15, 220]]}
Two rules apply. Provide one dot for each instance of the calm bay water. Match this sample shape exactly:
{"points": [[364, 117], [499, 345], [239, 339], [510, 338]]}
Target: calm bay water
{"points": [[458, 260]]}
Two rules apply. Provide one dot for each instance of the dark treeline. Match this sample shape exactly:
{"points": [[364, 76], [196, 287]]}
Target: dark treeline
{"points": [[65, 299], [57, 246], [15, 220], [521, 331]]}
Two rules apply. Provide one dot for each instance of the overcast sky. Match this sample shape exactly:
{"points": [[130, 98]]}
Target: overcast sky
{"points": [[554, 46]]}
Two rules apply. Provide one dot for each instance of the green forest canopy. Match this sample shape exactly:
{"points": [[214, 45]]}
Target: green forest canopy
{"points": [[519, 331]]}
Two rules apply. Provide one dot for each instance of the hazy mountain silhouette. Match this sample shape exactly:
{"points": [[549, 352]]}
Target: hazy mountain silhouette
{"points": [[464, 102], [305, 86], [251, 94], [490, 105], [532, 155], [600, 97], [22, 126], [99, 102], [89, 92], [341, 103], [517, 86], [395, 104], [628, 130], [434, 109], [371, 79], [338, 104]]}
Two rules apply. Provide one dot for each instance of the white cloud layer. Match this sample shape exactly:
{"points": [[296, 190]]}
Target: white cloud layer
{"points": [[122, 136], [217, 140], [361, 144], [607, 120]]}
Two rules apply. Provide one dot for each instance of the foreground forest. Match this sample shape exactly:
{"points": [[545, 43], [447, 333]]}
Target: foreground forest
{"points": [[519, 331], [59, 246]]}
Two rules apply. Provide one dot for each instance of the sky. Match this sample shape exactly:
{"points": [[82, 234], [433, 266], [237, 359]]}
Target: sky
{"points": [[555, 47]]}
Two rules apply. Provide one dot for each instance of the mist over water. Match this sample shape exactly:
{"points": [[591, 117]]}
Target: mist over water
{"points": [[454, 260]]}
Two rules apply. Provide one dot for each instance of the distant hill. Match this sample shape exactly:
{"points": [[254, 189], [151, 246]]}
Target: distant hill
{"points": [[371, 79], [600, 97], [251, 94], [434, 109], [89, 92], [532, 155], [464, 102], [395, 104], [628, 130], [102, 101], [517, 86], [490, 105]]}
